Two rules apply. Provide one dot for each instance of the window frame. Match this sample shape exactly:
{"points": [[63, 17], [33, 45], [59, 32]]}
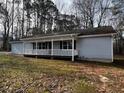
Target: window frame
{"points": [[67, 45]]}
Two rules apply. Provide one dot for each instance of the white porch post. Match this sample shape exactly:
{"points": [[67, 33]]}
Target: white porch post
{"points": [[23, 48], [52, 47], [112, 49], [36, 48], [72, 49]]}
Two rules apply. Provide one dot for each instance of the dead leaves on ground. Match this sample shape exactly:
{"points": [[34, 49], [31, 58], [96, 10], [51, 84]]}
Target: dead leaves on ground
{"points": [[26, 75]]}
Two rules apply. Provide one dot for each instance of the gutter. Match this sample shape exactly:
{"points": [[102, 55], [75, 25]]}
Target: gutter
{"points": [[34, 38], [99, 35]]}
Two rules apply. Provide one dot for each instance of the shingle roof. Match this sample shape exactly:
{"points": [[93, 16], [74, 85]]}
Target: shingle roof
{"points": [[80, 32], [98, 30], [88, 31]]}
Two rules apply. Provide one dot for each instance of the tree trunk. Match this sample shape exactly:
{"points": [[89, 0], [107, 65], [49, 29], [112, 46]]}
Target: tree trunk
{"points": [[12, 17], [23, 20]]}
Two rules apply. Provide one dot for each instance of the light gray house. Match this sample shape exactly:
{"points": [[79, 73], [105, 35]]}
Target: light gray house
{"points": [[94, 44], [1, 42]]}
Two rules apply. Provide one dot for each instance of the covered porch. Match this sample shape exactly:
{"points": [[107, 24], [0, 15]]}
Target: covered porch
{"points": [[52, 48]]}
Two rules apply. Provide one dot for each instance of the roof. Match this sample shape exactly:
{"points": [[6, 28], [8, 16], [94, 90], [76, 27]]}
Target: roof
{"points": [[98, 30], [107, 30], [89, 31]]}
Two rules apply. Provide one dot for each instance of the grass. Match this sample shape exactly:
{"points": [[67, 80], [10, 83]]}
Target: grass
{"points": [[30, 75], [35, 66], [82, 87]]}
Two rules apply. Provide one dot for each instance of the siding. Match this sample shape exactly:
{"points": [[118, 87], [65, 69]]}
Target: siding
{"points": [[97, 48], [1, 44], [90, 48], [28, 46], [17, 48]]}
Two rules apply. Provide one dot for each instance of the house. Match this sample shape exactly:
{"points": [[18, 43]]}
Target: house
{"points": [[94, 44], [1, 42]]}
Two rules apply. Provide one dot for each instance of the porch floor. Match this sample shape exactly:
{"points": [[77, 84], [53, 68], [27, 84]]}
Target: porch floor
{"points": [[51, 57]]}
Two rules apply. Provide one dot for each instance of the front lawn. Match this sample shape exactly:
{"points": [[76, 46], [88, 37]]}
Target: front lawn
{"points": [[30, 75]]}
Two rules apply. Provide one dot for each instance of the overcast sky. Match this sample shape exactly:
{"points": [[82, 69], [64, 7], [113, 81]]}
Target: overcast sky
{"points": [[64, 5]]}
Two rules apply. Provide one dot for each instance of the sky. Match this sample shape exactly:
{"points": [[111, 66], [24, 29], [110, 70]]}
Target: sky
{"points": [[68, 2], [64, 5]]}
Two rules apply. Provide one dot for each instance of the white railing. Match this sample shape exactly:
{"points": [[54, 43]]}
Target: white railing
{"points": [[56, 52], [64, 52], [43, 52]]}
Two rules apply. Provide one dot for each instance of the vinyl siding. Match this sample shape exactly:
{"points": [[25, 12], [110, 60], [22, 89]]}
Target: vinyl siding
{"points": [[98, 48]]}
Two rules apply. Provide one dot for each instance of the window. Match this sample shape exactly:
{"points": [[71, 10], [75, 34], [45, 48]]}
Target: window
{"points": [[34, 45], [60, 44], [44, 45], [49, 45], [67, 44], [75, 44], [39, 45]]}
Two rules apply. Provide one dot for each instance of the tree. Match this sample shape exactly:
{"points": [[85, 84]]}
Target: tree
{"points": [[18, 33], [67, 23], [28, 8], [118, 12], [6, 18], [13, 10], [91, 12], [118, 17], [25, 18], [45, 12]]}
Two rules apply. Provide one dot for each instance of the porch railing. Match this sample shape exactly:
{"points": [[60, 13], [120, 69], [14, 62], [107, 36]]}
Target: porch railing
{"points": [[56, 52]]}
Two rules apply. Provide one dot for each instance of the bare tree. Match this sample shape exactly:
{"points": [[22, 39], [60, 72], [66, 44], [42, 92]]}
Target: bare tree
{"points": [[13, 11], [23, 18], [103, 10], [118, 18], [91, 12], [6, 24], [18, 33]]}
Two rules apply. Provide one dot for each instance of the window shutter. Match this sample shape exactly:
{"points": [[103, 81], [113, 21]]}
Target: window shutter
{"points": [[34, 45], [60, 44], [75, 44], [50, 45]]}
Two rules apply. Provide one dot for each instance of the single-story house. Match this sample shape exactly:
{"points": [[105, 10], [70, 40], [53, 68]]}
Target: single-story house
{"points": [[94, 44], [1, 42]]}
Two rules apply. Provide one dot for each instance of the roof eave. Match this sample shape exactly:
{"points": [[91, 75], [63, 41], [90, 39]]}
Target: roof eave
{"points": [[54, 36], [97, 35]]}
